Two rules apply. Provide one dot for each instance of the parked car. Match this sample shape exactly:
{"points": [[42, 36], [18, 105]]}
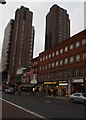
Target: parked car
{"points": [[78, 97], [10, 90]]}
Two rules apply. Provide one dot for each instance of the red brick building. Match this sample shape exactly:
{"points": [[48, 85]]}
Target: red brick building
{"points": [[64, 65]]}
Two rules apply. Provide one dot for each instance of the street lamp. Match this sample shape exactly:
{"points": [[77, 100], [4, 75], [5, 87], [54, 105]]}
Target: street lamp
{"points": [[2, 1]]}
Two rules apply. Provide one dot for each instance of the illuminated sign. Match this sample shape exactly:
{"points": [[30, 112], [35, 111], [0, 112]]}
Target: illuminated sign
{"points": [[50, 82], [78, 81]]}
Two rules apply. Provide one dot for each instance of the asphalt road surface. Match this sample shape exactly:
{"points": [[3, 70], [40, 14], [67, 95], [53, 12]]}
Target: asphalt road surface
{"points": [[42, 107]]}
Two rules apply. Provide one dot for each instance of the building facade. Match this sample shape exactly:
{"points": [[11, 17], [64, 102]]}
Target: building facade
{"points": [[6, 50], [57, 26], [22, 43], [64, 65]]}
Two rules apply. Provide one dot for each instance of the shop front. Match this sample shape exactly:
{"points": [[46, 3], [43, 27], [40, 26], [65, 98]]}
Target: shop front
{"points": [[47, 87], [63, 88], [78, 85]]}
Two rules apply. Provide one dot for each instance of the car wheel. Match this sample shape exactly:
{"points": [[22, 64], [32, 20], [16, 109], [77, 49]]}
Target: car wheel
{"points": [[71, 100]]}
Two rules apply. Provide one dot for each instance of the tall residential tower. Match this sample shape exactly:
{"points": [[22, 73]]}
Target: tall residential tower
{"points": [[22, 42], [57, 26]]}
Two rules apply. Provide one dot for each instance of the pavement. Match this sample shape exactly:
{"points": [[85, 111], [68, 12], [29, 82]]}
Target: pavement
{"points": [[59, 97], [50, 96]]}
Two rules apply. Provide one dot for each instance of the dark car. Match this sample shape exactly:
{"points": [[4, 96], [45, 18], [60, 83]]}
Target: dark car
{"points": [[78, 97], [10, 90]]}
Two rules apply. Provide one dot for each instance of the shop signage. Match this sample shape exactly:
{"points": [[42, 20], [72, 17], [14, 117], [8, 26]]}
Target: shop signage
{"points": [[63, 83], [78, 81], [50, 82]]}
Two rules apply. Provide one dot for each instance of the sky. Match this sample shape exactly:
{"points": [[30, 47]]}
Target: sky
{"points": [[40, 8]]}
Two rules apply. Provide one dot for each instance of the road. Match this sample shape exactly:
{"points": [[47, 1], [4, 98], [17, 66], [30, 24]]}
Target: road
{"points": [[45, 106]]}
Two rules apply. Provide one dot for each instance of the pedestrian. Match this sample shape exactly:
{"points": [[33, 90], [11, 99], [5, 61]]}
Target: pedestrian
{"points": [[19, 90]]}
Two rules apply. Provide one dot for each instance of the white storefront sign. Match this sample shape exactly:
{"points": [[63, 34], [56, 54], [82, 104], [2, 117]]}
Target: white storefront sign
{"points": [[78, 81]]}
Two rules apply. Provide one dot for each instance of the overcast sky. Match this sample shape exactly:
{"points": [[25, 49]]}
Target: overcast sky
{"points": [[40, 8]]}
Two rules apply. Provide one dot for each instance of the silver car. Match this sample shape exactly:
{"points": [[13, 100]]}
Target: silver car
{"points": [[78, 97]]}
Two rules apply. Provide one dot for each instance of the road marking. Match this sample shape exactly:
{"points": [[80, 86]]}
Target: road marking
{"points": [[47, 101], [24, 109]]}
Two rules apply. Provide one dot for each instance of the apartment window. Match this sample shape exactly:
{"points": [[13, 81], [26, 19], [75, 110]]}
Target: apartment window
{"points": [[40, 59], [77, 44], [66, 48], [84, 56], [57, 52], [77, 71], [49, 65], [60, 74], [61, 51], [66, 73], [53, 54], [84, 41], [84, 70], [61, 62], [71, 59], [48, 76], [52, 75], [45, 67], [46, 57], [66, 61], [71, 72], [71, 46], [43, 58], [52, 64], [57, 63], [77, 58], [49, 55], [42, 67]]}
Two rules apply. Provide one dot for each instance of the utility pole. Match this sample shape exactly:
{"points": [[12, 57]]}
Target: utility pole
{"points": [[2, 1]]}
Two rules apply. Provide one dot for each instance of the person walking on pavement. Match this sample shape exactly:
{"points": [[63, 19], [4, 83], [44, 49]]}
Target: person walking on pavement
{"points": [[19, 90]]}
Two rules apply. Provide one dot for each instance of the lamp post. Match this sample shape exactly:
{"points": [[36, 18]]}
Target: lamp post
{"points": [[2, 1]]}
